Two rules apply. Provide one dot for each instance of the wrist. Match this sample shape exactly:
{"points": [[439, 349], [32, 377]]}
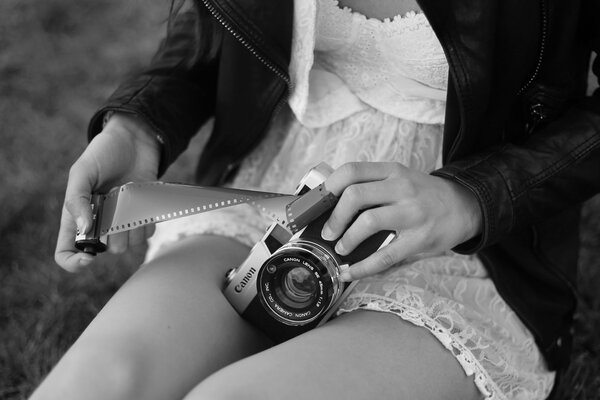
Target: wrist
{"points": [[132, 128], [468, 208], [474, 219]]}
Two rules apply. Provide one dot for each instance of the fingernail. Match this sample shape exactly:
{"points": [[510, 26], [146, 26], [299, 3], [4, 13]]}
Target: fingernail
{"points": [[339, 248], [81, 225], [345, 276], [327, 233]]}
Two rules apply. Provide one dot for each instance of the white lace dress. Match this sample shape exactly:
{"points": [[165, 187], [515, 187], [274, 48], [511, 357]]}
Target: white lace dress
{"points": [[370, 90]]}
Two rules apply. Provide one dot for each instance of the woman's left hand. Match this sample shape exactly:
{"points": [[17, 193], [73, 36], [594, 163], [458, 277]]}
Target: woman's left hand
{"points": [[428, 214]]}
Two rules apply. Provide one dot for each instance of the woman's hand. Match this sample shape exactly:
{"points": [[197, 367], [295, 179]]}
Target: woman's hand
{"points": [[124, 151], [428, 214]]}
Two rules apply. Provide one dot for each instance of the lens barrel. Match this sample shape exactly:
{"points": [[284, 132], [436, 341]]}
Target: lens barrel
{"points": [[299, 282], [298, 287]]}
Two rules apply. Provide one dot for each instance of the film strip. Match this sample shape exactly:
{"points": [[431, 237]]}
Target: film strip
{"points": [[134, 205]]}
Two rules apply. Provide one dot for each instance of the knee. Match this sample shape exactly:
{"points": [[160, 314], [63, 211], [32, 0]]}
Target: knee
{"points": [[95, 372]]}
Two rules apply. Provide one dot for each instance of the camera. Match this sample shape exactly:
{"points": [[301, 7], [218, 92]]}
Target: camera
{"points": [[289, 283]]}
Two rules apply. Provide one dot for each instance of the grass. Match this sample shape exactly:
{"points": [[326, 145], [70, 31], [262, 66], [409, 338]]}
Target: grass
{"points": [[58, 60]]}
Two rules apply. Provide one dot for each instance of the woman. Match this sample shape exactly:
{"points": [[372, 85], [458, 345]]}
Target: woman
{"points": [[459, 125]]}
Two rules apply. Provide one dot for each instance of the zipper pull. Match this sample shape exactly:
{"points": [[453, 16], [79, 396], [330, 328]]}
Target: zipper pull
{"points": [[537, 115]]}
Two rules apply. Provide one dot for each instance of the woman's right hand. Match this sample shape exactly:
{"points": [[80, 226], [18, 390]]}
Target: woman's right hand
{"points": [[124, 151]]}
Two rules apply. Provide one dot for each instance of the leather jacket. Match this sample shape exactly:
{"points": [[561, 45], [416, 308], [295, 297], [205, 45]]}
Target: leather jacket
{"points": [[520, 132]]}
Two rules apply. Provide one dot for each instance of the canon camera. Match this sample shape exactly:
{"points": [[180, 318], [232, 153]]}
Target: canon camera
{"points": [[289, 284]]}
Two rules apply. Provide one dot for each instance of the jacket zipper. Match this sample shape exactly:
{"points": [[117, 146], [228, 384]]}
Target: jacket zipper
{"points": [[282, 74], [537, 113], [538, 66], [246, 43]]}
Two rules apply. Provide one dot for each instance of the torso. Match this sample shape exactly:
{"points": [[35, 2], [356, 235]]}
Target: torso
{"points": [[381, 9]]}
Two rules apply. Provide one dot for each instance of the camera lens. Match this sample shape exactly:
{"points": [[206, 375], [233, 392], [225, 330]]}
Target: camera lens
{"points": [[299, 287], [298, 283]]}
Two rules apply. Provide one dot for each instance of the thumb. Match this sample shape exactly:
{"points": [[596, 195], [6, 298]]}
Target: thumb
{"points": [[79, 208], [76, 213], [77, 201]]}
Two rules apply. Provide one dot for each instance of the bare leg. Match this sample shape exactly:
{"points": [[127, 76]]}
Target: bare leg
{"points": [[361, 355], [164, 331]]}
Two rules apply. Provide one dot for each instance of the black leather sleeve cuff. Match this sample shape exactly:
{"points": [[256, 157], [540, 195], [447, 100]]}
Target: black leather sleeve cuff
{"points": [[494, 218], [97, 123]]}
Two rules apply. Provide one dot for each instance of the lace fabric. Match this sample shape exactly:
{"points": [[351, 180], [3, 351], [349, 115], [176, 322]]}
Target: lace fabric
{"points": [[449, 295], [369, 90], [368, 53], [452, 297], [396, 66]]}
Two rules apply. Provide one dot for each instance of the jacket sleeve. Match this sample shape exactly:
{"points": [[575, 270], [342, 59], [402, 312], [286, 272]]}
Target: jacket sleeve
{"points": [[517, 184], [175, 94]]}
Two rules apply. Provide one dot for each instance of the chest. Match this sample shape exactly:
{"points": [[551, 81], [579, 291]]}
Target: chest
{"points": [[380, 9], [401, 53]]}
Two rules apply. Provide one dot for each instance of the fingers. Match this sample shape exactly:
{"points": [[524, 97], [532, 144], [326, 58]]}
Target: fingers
{"points": [[374, 197], [359, 186], [357, 172], [405, 245], [77, 197], [76, 214], [355, 198], [368, 223], [121, 152], [66, 255]]}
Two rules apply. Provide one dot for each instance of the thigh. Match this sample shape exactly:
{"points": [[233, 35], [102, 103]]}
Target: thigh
{"points": [[166, 329], [361, 355]]}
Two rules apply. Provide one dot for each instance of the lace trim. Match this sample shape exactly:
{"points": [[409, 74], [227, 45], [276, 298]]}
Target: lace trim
{"points": [[410, 20], [463, 355]]}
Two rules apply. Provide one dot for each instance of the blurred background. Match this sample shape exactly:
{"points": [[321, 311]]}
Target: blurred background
{"points": [[58, 60]]}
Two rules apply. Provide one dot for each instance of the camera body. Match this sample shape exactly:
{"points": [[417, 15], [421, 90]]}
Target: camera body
{"points": [[290, 284]]}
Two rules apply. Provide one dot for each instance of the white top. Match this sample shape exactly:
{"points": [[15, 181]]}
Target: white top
{"points": [[345, 62]]}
